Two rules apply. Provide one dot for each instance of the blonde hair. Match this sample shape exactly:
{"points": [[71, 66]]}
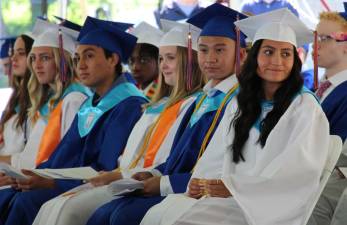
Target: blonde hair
{"points": [[334, 17], [40, 93], [180, 90]]}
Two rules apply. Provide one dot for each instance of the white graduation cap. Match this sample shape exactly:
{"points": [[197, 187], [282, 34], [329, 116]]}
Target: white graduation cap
{"points": [[147, 34], [176, 34], [277, 25], [46, 34]]}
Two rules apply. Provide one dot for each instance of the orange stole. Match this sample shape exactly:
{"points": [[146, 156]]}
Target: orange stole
{"points": [[162, 126], [51, 136]]}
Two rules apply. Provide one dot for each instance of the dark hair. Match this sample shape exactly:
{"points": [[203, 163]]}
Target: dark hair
{"points": [[118, 68], [252, 93], [20, 95], [148, 50]]}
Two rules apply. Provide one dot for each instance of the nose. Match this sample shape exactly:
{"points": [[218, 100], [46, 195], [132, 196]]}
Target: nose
{"points": [[211, 57], [276, 59], [81, 64]]}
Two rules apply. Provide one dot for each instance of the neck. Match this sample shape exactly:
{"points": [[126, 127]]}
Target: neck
{"points": [[143, 85], [186, 2], [270, 90], [104, 87], [330, 72]]}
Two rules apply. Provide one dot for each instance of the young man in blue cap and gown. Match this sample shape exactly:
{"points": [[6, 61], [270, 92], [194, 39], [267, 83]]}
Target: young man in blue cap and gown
{"points": [[99, 132], [332, 91], [216, 49]]}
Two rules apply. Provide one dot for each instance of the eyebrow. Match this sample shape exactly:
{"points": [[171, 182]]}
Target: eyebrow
{"points": [[20, 49], [282, 49], [216, 45]]}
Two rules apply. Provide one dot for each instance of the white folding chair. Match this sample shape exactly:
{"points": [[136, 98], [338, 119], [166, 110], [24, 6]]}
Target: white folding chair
{"points": [[335, 148]]}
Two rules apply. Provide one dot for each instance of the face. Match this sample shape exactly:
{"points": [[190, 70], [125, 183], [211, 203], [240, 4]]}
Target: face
{"points": [[43, 64], [275, 61], [168, 64], [92, 66], [216, 57], [19, 58], [6, 63], [143, 67], [330, 53]]}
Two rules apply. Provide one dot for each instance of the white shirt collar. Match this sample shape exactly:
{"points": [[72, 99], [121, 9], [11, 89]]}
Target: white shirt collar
{"points": [[223, 86], [338, 78]]}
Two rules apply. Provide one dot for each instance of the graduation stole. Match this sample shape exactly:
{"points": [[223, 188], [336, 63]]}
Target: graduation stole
{"points": [[156, 135], [52, 133], [88, 114], [231, 93]]}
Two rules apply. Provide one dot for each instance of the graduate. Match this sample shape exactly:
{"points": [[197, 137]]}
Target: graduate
{"points": [[15, 126], [150, 141], [143, 62], [332, 50], [216, 49], [100, 130], [275, 145], [54, 93]]}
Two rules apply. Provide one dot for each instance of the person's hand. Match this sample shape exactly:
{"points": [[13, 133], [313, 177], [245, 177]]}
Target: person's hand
{"points": [[6, 180], [141, 176], [151, 186], [104, 178], [196, 188], [216, 188], [34, 182]]}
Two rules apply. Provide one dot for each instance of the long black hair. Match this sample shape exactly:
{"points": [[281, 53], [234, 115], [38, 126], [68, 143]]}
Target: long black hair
{"points": [[251, 95]]}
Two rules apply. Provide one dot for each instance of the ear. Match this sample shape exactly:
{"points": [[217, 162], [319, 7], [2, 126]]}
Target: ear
{"points": [[114, 59], [243, 55]]}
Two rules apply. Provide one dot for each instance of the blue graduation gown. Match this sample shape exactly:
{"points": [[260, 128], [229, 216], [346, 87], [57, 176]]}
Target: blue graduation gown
{"points": [[99, 149], [335, 108], [181, 161]]}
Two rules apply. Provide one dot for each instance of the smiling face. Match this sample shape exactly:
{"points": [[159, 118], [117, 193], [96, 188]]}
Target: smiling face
{"points": [[43, 64], [275, 61], [168, 64], [19, 58]]}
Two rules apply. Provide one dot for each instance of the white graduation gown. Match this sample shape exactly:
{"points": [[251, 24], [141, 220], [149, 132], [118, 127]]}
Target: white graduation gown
{"points": [[27, 158], [275, 183], [78, 208], [14, 137]]}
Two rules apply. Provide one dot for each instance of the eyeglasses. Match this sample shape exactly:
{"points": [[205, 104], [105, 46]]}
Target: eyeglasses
{"points": [[325, 38], [338, 37]]}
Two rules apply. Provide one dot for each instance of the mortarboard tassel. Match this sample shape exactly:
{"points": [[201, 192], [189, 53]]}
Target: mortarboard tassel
{"points": [[315, 60], [189, 63], [63, 68], [10, 53], [238, 49]]}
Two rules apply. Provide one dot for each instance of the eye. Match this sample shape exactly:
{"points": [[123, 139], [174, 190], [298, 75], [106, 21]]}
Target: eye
{"points": [[32, 58], [268, 52], [160, 59], [45, 58], [89, 55], [286, 54], [220, 50], [203, 50], [76, 60]]}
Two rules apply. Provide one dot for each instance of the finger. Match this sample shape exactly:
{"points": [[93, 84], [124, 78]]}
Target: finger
{"points": [[28, 173], [213, 182]]}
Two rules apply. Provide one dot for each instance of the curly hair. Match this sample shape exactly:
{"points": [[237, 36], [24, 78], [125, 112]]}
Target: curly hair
{"points": [[251, 95]]}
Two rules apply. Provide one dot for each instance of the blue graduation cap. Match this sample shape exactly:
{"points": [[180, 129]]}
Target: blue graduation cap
{"points": [[344, 14], [6, 46], [218, 20], [108, 35], [69, 24]]}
